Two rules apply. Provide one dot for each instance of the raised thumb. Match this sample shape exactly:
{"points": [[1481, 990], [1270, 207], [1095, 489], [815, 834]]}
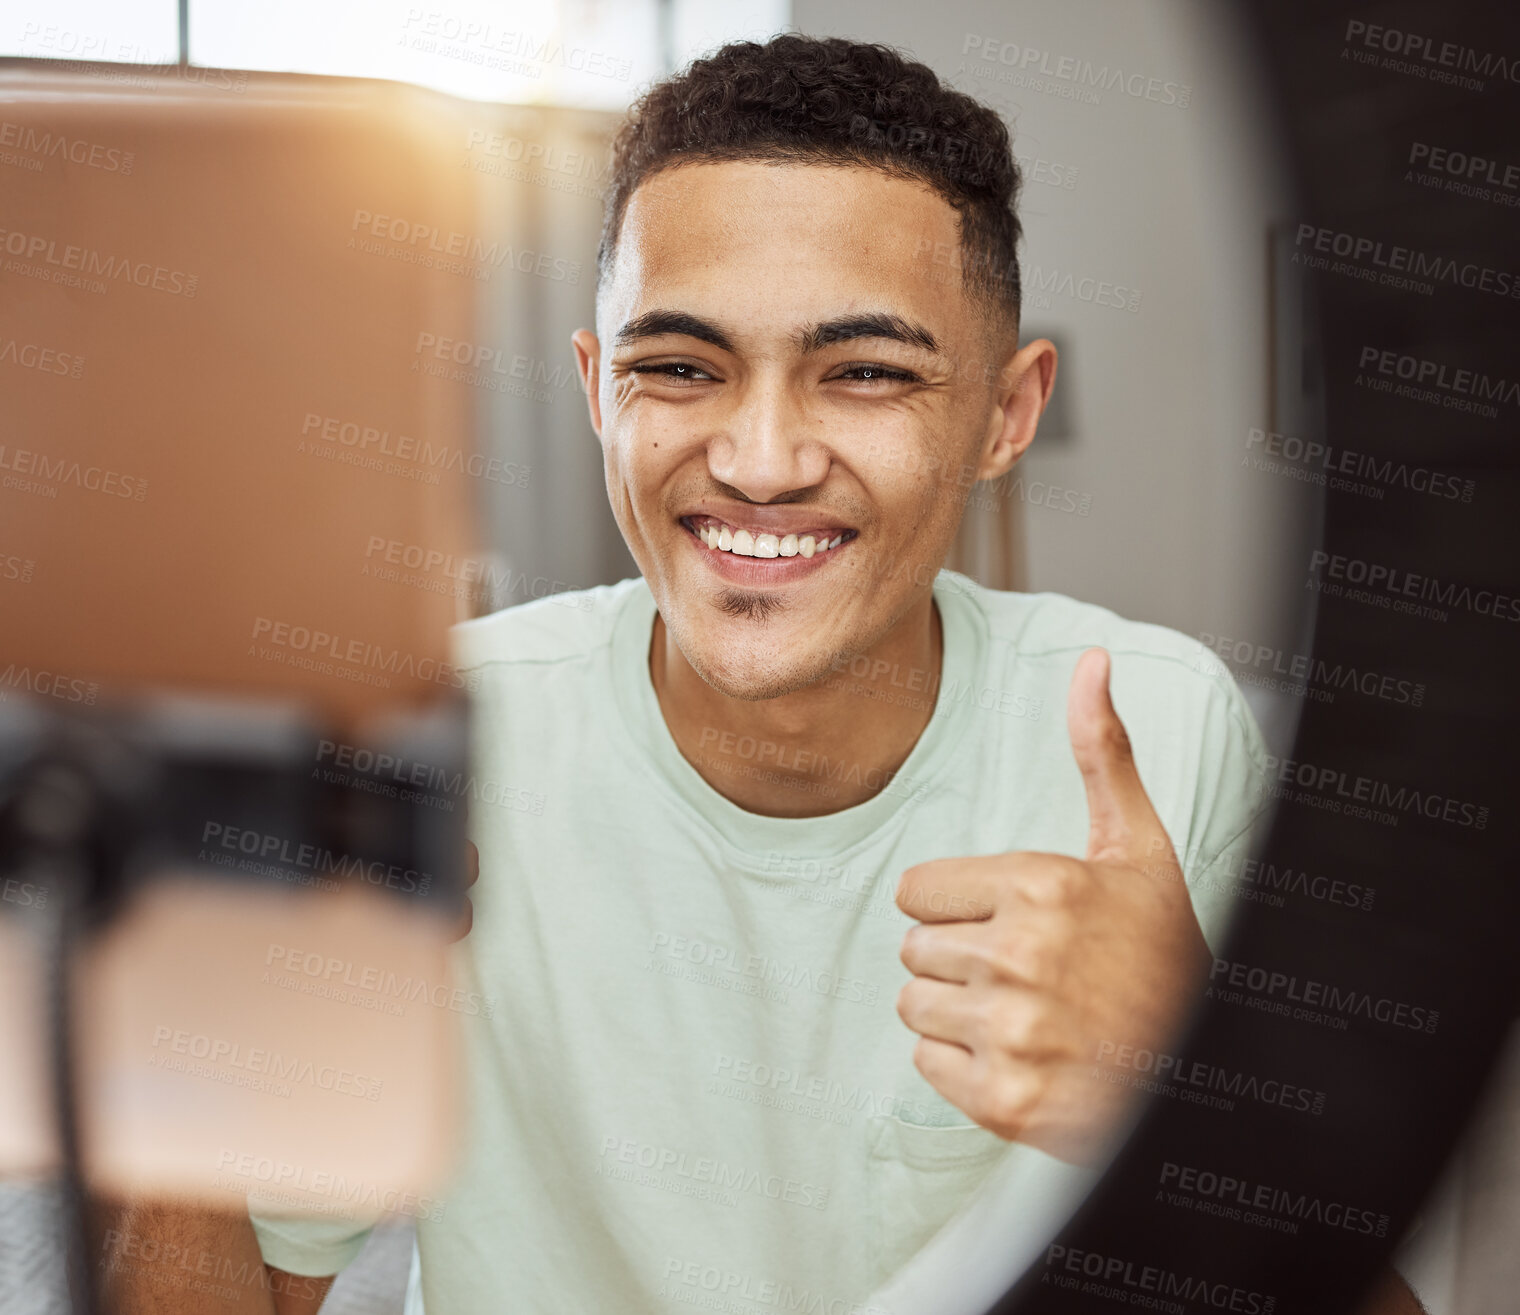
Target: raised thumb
{"points": [[1122, 824]]}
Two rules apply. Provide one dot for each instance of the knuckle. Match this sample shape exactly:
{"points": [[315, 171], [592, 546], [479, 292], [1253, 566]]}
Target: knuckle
{"points": [[923, 1057], [1037, 964], [1055, 880], [910, 887], [986, 1016], [913, 946], [1080, 885], [1018, 1030], [1030, 954], [910, 1001], [975, 954], [1075, 879], [1005, 962], [1004, 1107], [1022, 1099], [1041, 886]]}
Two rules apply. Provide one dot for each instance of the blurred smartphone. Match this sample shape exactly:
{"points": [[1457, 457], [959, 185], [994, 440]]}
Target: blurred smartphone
{"points": [[219, 429]]}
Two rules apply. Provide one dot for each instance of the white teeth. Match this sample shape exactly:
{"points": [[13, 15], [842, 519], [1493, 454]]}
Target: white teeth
{"points": [[742, 543]]}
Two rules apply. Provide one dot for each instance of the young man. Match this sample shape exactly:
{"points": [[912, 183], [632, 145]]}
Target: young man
{"points": [[795, 739]]}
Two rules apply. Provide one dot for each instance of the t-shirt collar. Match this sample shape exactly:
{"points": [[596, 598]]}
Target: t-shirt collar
{"points": [[925, 770]]}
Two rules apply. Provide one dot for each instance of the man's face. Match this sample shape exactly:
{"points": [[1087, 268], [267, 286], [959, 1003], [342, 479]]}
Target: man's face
{"points": [[785, 369]]}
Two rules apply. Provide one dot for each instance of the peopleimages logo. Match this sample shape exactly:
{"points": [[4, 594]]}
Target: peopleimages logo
{"points": [[1149, 1286], [275, 849], [48, 684], [395, 777], [229, 1062], [1041, 284], [715, 1288], [1201, 1080], [1313, 462], [1337, 790], [815, 1095], [15, 567], [786, 974], [1268, 882], [1401, 585], [1260, 1198], [368, 441], [1469, 168], [311, 648], [1431, 58], [811, 762], [1276, 992], [1460, 384], [49, 360], [1304, 674], [1423, 270], [1081, 74], [487, 366], [34, 141], [683, 1168], [92, 264], [349, 982], [464, 247], [425, 28], [295, 1184], [63, 470], [952, 148]]}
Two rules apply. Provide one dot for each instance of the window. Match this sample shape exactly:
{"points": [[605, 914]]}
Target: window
{"points": [[113, 31], [595, 53]]}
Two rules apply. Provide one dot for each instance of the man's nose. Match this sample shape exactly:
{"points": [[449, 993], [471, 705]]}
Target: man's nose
{"points": [[768, 445]]}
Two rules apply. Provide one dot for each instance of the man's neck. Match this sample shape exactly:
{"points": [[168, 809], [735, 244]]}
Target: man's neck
{"points": [[821, 749]]}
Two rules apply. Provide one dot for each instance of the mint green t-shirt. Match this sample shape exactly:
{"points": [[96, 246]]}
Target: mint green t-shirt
{"points": [[694, 1088]]}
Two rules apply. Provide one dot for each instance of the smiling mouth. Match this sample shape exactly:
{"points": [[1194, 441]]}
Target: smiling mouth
{"points": [[720, 536]]}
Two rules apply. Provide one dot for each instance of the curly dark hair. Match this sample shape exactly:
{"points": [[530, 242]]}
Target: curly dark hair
{"points": [[809, 100]]}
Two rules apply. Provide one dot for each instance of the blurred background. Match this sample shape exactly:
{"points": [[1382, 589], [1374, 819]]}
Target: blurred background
{"points": [[1154, 210], [1147, 258]]}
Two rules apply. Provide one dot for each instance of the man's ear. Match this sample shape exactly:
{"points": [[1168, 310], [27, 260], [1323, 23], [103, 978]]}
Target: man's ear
{"points": [[1023, 388], [588, 360]]}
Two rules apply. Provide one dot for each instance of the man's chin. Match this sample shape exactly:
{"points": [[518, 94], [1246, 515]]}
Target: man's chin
{"points": [[756, 667]]}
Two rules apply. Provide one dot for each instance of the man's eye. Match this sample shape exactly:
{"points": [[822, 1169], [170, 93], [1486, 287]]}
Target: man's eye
{"points": [[873, 373], [677, 370]]}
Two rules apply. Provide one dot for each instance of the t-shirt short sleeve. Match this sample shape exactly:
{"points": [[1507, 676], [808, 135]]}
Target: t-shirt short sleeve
{"points": [[311, 1245], [1231, 804]]}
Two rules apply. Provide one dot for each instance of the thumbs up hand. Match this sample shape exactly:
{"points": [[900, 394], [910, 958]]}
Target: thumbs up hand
{"points": [[1030, 968]]}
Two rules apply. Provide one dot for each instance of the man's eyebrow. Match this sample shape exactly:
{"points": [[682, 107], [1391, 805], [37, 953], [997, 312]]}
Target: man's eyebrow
{"points": [[875, 324], [846, 328], [655, 323]]}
